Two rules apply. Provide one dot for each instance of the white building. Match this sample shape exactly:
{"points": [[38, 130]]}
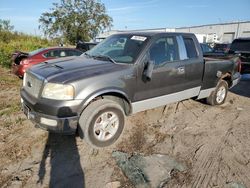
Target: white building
{"points": [[224, 32], [221, 33], [111, 32]]}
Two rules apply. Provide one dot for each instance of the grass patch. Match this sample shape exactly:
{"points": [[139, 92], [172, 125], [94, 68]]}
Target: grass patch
{"points": [[8, 79], [4, 105], [19, 120], [16, 107], [13, 41]]}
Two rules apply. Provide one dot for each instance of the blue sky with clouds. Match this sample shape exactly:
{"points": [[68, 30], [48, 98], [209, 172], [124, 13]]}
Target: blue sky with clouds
{"points": [[136, 14]]}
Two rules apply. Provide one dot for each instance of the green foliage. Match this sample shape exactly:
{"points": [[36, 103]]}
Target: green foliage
{"points": [[5, 25], [75, 20], [12, 41]]}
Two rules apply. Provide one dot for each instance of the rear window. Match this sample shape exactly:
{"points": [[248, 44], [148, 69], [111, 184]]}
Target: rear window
{"points": [[190, 47], [91, 46], [36, 51], [240, 45]]}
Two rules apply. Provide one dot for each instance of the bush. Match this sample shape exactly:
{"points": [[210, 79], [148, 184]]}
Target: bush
{"points": [[12, 41]]}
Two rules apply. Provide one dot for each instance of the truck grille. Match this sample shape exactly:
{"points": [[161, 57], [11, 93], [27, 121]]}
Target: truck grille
{"points": [[32, 84]]}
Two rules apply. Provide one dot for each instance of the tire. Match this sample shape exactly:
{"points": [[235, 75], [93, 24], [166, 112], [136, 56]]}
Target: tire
{"points": [[101, 123], [219, 95]]}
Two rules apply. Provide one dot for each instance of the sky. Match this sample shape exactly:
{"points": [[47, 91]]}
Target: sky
{"points": [[135, 14]]}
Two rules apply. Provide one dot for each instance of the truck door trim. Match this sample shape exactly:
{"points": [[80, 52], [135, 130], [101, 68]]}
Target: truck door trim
{"points": [[165, 99], [182, 48], [205, 93]]}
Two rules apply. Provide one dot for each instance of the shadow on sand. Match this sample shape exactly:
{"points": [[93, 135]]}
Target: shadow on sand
{"points": [[66, 170], [242, 88]]}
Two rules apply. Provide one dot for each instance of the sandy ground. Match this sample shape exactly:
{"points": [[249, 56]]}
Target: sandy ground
{"points": [[213, 142]]}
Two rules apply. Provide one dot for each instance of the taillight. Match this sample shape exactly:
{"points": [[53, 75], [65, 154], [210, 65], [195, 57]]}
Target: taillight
{"points": [[239, 65], [226, 50], [24, 62]]}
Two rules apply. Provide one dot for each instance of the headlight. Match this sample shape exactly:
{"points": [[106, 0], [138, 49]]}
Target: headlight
{"points": [[58, 91]]}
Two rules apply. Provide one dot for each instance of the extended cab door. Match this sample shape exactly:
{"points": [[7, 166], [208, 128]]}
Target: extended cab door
{"points": [[192, 62], [172, 78]]}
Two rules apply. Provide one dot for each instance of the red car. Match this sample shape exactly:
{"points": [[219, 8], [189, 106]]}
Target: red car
{"points": [[22, 61]]}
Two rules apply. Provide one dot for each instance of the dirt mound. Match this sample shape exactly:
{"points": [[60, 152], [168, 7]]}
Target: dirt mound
{"points": [[212, 142]]}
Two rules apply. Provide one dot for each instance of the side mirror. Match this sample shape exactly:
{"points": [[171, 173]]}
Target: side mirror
{"points": [[147, 74]]}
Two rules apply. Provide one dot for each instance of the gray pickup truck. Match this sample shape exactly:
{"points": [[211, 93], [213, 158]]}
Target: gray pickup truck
{"points": [[124, 74]]}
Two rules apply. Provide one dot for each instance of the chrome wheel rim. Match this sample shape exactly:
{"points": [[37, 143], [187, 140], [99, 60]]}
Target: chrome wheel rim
{"points": [[221, 93], [106, 126]]}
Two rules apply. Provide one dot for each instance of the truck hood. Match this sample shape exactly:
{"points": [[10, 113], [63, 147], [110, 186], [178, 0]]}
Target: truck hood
{"points": [[69, 69]]}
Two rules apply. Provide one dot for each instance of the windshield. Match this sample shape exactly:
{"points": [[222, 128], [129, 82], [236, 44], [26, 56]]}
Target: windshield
{"points": [[35, 51], [240, 45], [123, 48]]}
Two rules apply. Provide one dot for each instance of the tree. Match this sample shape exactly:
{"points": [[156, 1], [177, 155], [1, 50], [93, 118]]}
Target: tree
{"points": [[75, 20], [5, 25]]}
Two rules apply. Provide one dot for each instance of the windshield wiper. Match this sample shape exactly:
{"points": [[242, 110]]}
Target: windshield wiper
{"points": [[88, 55], [57, 66], [104, 57]]}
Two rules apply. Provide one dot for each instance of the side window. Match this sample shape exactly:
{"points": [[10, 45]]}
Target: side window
{"points": [[73, 53], [164, 49], [77, 53], [47, 54], [190, 48], [51, 54], [62, 53]]}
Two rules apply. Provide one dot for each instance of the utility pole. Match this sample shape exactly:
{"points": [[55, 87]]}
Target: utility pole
{"points": [[237, 33]]}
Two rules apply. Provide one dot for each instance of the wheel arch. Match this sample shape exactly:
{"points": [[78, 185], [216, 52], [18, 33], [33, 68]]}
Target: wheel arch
{"points": [[116, 95], [228, 78]]}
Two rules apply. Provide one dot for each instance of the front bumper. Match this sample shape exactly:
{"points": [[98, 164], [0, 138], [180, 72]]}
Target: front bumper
{"points": [[51, 123], [58, 116]]}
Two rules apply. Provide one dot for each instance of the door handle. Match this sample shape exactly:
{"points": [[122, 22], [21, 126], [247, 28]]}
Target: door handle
{"points": [[181, 70]]}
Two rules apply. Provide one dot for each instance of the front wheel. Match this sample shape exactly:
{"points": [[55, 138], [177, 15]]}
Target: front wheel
{"points": [[218, 96], [101, 123]]}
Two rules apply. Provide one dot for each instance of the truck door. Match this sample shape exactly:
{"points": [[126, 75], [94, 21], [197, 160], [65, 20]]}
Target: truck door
{"points": [[167, 78], [168, 82], [193, 63]]}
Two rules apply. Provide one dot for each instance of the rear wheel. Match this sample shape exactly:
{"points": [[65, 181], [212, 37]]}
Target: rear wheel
{"points": [[218, 96], [101, 123]]}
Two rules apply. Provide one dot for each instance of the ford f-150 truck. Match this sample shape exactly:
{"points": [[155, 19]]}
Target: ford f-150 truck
{"points": [[124, 74]]}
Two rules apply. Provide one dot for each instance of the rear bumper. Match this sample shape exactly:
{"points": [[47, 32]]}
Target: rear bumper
{"points": [[235, 79]]}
